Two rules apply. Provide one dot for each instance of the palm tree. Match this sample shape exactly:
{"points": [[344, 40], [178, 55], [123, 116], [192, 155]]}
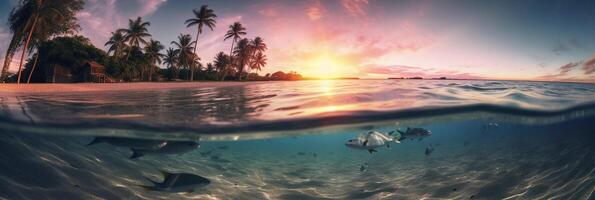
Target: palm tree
{"points": [[184, 50], [117, 43], [153, 53], [38, 20], [258, 46], [236, 30], [136, 33], [242, 52], [221, 63], [171, 60], [258, 61], [203, 17]]}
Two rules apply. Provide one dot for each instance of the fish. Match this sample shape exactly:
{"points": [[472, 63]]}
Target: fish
{"points": [[172, 147], [414, 133], [177, 182], [371, 141], [129, 142], [429, 150], [223, 147]]}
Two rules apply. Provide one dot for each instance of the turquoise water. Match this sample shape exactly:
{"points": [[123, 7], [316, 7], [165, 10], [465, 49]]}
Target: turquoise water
{"points": [[286, 140]]}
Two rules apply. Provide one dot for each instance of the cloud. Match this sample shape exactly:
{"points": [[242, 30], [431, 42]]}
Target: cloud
{"points": [[355, 7], [100, 17], [413, 71], [562, 72], [268, 12], [564, 69], [315, 11], [589, 66], [149, 6]]}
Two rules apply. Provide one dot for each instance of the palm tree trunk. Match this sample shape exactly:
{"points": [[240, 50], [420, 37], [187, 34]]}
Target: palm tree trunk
{"points": [[152, 67], [192, 72], [8, 58], [33, 68], [231, 51], [25, 49], [7, 61], [195, 45]]}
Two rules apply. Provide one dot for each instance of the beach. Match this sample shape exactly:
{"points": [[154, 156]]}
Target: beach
{"points": [[97, 87]]}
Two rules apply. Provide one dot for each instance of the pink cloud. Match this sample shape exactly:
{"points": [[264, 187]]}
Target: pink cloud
{"points": [[564, 69], [411, 71], [589, 65], [355, 7], [315, 11], [100, 17], [268, 12]]}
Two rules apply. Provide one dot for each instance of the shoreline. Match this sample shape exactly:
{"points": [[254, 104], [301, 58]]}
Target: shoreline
{"points": [[13, 88]]}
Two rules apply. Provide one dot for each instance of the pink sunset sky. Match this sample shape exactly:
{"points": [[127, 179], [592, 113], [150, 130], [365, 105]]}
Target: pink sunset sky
{"points": [[376, 38]]}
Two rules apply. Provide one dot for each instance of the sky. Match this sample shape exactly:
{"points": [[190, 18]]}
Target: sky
{"points": [[507, 39]]}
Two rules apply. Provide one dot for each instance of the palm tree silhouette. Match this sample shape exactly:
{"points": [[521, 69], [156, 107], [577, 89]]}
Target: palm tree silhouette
{"points": [[171, 60], [153, 53], [257, 45], [203, 17], [136, 33], [184, 50], [221, 63], [236, 30], [242, 52], [117, 43], [258, 61]]}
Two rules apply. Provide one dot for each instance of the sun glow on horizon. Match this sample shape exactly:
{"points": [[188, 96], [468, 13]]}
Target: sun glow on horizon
{"points": [[326, 66]]}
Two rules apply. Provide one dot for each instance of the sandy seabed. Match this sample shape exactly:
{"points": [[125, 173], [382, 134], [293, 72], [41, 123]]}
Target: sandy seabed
{"points": [[465, 166]]}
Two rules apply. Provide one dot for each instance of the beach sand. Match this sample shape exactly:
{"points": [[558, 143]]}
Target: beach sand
{"points": [[95, 87]]}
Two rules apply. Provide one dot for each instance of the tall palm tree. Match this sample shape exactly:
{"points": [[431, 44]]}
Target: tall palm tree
{"points": [[242, 52], [117, 43], [221, 63], [153, 53], [136, 33], [171, 60], [203, 17], [258, 61], [34, 21], [236, 31], [184, 50]]}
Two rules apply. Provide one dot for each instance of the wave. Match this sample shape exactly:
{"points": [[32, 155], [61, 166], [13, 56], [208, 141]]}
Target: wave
{"points": [[343, 120]]}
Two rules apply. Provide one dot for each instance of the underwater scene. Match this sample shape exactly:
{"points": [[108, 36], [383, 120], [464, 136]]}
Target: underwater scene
{"points": [[326, 139]]}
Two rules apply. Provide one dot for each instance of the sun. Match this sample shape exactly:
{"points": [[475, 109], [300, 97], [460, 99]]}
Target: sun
{"points": [[327, 66]]}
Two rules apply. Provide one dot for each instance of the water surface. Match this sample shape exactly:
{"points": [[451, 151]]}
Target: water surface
{"points": [[285, 140]]}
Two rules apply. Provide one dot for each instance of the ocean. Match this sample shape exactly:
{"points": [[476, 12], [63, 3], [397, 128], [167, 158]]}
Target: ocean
{"points": [[288, 140]]}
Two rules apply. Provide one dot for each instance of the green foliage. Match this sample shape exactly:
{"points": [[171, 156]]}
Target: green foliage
{"points": [[42, 19], [69, 52]]}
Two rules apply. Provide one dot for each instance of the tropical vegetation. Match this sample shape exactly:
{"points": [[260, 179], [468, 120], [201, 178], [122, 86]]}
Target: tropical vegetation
{"points": [[45, 32]]}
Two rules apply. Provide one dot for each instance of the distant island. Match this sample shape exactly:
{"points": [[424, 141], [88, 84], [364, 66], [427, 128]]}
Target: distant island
{"points": [[421, 78], [338, 78]]}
